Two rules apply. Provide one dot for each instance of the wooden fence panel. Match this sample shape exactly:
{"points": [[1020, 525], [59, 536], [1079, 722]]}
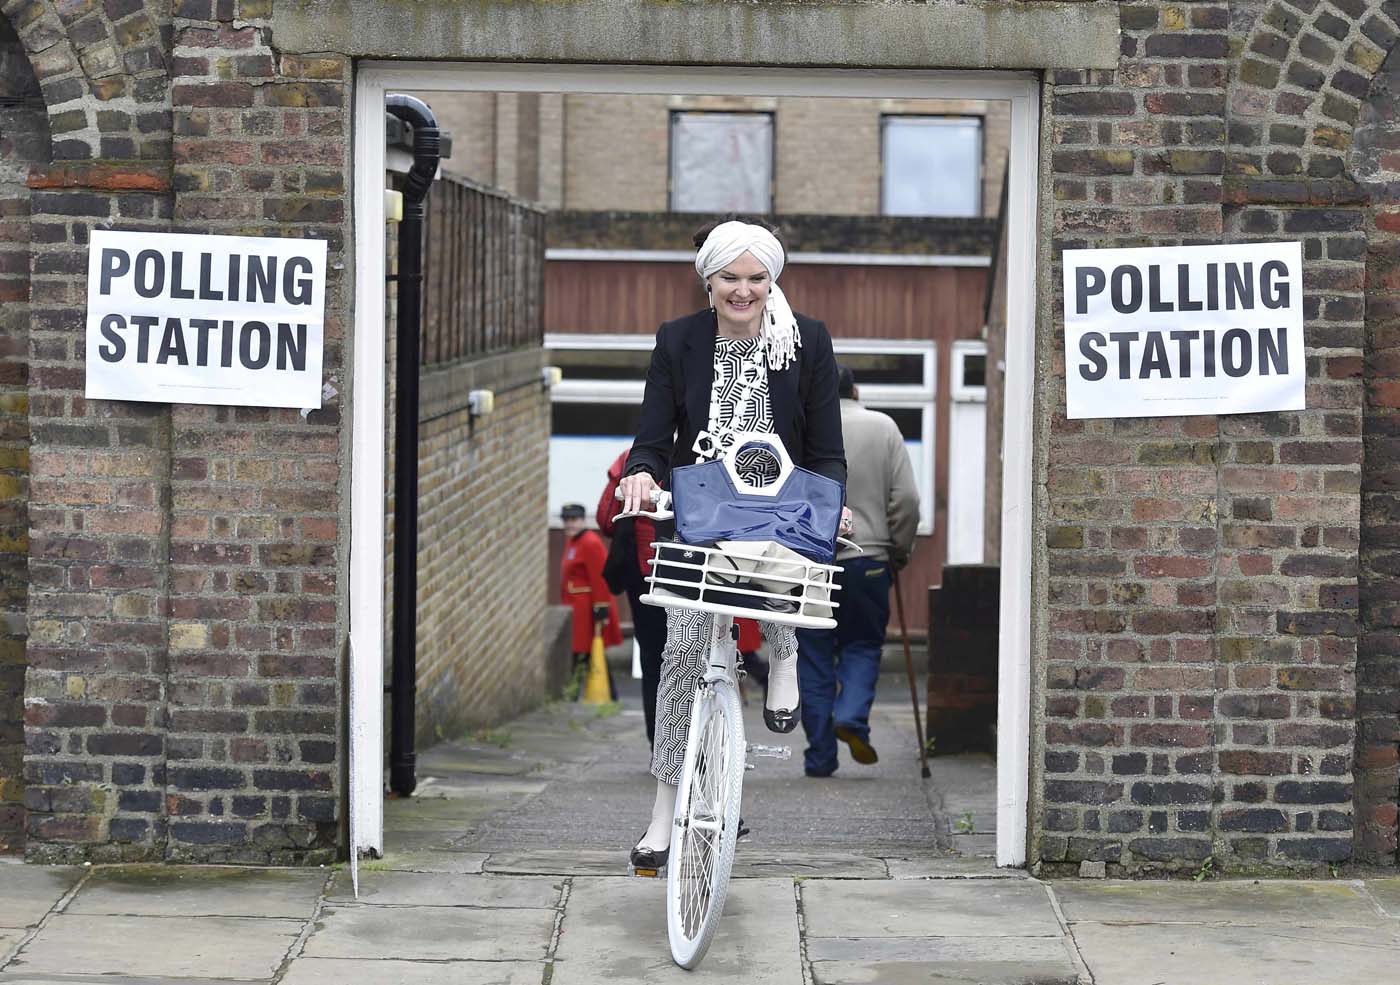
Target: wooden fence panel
{"points": [[483, 273]]}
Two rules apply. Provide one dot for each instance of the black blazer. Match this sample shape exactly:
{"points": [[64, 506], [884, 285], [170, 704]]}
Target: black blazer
{"points": [[676, 404]]}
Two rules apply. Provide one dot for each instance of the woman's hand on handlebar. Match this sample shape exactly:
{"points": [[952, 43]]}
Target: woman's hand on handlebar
{"points": [[847, 522], [637, 492]]}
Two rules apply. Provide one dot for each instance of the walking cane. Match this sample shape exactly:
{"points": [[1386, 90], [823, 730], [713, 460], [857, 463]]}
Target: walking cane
{"points": [[909, 667]]}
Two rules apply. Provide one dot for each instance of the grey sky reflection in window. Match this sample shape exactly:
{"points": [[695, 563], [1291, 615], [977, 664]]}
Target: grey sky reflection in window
{"points": [[721, 162], [932, 166]]}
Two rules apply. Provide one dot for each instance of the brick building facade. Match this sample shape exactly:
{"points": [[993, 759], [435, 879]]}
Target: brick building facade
{"points": [[826, 152], [1217, 666]]}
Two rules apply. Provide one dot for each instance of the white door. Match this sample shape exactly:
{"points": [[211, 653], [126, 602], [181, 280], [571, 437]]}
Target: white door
{"points": [[967, 452]]}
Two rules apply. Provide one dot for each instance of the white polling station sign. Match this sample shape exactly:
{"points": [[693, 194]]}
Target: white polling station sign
{"points": [[182, 318], [1179, 330]]}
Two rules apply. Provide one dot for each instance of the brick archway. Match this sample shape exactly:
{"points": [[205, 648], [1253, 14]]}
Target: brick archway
{"points": [[102, 71], [24, 144], [1306, 70], [1375, 164], [1312, 78], [101, 89]]}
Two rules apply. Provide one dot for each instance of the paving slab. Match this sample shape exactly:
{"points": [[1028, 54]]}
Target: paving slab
{"points": [[427, 860], [747, 865], [23, 978], [26, 978], [564, 862], [491, 794], [1048, 951], [431, 933], [9, 937], [950, 867], [173, 947], [1278, 903], [1386, 892], [807, 865], [447, 889], [910, 908], [452, 757], [978, 845], [27, 892], [338, 971], [1153, 954], [614, 931], [397, 841], [198, 890], [949, 973]]}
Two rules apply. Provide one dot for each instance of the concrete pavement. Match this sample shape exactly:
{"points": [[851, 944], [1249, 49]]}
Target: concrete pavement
{"points": [[509, 868]]}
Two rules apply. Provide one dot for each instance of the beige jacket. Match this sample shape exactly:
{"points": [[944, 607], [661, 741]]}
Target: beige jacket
{"points": [[880, 486]]}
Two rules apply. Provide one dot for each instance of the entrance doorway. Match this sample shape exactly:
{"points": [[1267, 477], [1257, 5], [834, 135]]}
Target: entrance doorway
{"points": [[1019, 91]]}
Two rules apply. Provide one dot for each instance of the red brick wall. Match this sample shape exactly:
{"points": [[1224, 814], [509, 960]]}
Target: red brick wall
{"points": [[1200, 689], [182, 697]]}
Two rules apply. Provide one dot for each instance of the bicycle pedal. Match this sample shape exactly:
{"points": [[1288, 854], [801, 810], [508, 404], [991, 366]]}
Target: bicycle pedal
{"points": [[658, 873]]}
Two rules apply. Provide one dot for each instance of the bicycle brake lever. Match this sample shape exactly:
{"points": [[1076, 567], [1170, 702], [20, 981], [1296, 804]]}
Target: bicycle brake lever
{"points": [[842, 542]]}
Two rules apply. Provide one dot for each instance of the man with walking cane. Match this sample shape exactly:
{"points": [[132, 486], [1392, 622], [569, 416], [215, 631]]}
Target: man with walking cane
{"points": [[838, 668]]}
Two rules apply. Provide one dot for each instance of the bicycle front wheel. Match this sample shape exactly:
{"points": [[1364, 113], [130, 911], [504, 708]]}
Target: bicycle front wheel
{"points": [[706, 822]]}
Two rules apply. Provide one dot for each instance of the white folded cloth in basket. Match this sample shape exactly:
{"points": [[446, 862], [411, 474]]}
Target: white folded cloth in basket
{"points": [[763, 564]]}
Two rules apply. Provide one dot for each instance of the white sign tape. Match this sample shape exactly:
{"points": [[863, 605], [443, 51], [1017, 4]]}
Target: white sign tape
{"points": [[183, 318], [1182, 330]]}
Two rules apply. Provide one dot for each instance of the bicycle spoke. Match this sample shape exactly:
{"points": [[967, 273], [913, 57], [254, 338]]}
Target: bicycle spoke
{"points": [[708, 804], [704, 841]]}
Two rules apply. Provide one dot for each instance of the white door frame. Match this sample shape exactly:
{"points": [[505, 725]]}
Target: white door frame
{"points": [[373, 79]]}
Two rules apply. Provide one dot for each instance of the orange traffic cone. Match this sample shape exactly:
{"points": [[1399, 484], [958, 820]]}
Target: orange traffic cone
{"points": [[595, 687]]}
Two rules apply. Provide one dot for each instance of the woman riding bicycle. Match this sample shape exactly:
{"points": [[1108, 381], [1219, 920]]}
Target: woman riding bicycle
{"points": [[747, 363]]}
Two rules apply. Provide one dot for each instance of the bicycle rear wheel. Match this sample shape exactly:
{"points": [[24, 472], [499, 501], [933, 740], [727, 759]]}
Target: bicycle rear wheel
{"points": [[706, 822]]}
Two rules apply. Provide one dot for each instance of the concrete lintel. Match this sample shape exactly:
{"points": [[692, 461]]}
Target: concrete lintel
{"points": [[975, 34]]}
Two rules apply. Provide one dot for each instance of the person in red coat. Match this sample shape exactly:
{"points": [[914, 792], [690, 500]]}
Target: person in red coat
{"points": [[632, 539], [581, 586]]}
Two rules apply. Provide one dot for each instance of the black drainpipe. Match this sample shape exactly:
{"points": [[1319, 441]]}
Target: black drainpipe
{"points": [[404, 679]]}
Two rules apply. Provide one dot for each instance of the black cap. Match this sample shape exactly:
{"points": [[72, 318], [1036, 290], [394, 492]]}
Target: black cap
{"points": [[845, 382], [572, 511]]}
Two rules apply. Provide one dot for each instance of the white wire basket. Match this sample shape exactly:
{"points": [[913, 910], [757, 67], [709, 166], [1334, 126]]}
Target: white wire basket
{"points": [[736, 578]]}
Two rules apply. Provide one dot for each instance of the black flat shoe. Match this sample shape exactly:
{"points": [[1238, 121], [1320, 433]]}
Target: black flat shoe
{"points": [[782, 720], [743, 830], [649, 858]]}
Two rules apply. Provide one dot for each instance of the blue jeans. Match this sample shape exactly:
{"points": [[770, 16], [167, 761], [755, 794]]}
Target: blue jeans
{"points": [[837, 669]]}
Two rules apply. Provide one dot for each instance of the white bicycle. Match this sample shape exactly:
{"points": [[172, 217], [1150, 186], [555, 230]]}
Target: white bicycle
{"points": [[728, 580]]}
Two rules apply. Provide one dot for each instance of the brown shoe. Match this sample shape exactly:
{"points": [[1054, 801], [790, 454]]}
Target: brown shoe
{"points": [[861, 750]]}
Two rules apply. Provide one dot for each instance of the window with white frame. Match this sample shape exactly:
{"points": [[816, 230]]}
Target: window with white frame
{"points": [[595, 408], [721, 162], [932, 165]]}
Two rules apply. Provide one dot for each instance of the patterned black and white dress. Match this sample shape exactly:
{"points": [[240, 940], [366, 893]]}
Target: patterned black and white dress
{"points": [[739, 402]]}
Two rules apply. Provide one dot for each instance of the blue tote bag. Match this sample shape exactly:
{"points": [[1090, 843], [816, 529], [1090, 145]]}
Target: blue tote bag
{"points": [[801, 510]]}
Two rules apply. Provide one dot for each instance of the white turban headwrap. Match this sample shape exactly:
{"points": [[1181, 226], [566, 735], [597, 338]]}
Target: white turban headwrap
{"points": [[725, 244]]}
